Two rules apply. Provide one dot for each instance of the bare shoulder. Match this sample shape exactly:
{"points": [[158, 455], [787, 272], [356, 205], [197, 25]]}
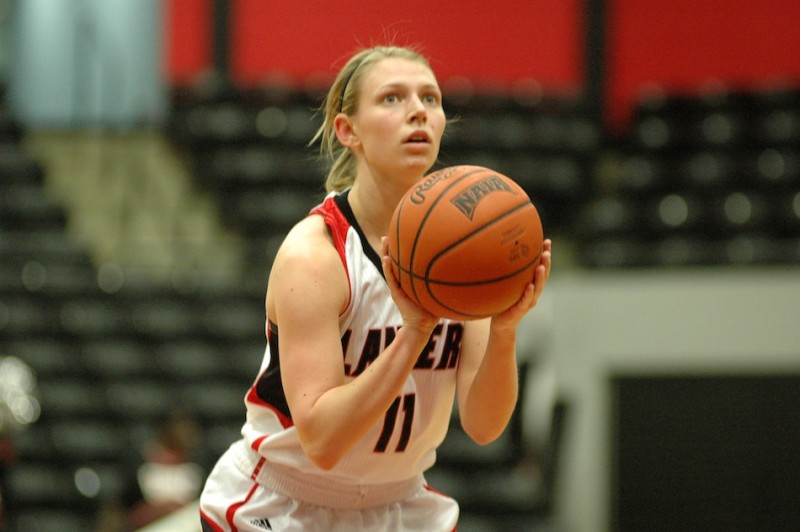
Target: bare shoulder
{"points": [[307, 270], [308, 235]]}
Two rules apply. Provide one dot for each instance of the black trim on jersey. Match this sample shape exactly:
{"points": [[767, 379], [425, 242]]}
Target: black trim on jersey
{"points": [[269, 387], [344, 206]]}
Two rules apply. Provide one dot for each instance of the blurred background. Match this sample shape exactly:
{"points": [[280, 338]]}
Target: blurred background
{"points": [[154, 153]]}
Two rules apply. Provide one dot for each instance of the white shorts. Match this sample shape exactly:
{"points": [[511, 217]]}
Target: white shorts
{"points": [[244, 496]]}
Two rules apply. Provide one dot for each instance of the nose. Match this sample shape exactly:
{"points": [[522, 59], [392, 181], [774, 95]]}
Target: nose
{"points": [[417, 110]]}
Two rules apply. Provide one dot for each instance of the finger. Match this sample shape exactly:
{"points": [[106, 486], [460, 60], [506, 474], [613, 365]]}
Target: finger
{"points": [[547, 256], [547, 263], [539, 279], [388, 272], [529, 297], [385, 257], [386, 264]]}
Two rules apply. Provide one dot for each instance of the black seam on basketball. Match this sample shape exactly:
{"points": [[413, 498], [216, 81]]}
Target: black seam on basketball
{"points": [[425, 217], [432, 283], [460, 311], [467, 236], [436, 282]]}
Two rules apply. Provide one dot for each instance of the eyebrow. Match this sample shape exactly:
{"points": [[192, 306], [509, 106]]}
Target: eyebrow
{"points": [[401, 85]]}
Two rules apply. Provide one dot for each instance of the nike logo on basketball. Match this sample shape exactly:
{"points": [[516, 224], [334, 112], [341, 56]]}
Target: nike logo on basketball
{"points": [[467, 201]]}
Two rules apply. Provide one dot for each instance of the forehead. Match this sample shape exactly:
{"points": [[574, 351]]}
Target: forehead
{"points": [[394, 70]]}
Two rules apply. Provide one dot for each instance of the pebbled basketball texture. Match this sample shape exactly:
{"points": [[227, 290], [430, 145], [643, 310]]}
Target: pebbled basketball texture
{"points": [[465, 242]]}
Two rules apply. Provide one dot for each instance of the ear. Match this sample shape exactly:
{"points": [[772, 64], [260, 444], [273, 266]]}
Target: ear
{"points": [[345, 131]]}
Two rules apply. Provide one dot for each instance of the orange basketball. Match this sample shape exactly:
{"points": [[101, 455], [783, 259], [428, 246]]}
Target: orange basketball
{"points": [[465, 242]]}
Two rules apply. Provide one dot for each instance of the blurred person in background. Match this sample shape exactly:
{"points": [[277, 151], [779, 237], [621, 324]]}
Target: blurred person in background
{"points": [[167, 479]]}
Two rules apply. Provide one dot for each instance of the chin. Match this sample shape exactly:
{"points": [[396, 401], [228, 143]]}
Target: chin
{"points": [[422, 164]]}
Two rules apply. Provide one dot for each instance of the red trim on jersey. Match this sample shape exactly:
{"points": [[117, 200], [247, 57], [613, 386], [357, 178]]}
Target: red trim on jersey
{"points": [[338, 226], [433, 490], [258, 467], [232, 509], [257, 443], [210, 522]]}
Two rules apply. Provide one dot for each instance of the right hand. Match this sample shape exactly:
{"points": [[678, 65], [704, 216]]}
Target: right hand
{"points": [[413, 315]]}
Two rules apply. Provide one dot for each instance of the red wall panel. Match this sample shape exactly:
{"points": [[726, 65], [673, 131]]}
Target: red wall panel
{"points": [[187, 39], [504, 40], [679, 45]]}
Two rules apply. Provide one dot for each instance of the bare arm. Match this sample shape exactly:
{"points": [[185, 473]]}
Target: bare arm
{"points": [[307, 291], [487, 372]]}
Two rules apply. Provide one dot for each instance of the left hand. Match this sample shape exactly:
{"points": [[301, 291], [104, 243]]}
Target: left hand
{"points": [[510, 318]]}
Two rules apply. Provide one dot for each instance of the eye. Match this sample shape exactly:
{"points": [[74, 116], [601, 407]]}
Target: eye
{"points": [[391, 98], [432, 99]]}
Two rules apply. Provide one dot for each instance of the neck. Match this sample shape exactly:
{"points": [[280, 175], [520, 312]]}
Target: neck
{"points": [[374, 196], [373, 209]]}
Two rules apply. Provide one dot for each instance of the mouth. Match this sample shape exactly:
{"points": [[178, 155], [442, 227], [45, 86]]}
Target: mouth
{"points": [[418, 137]]}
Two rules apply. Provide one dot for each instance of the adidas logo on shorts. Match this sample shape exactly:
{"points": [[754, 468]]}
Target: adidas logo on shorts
{"points": [[262, 523]]}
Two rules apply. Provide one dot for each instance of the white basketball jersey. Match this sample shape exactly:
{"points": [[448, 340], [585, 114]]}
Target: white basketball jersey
{"points": [[403, 443]]}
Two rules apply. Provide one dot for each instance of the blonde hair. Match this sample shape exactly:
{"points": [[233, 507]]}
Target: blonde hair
{"points": [[342, 97]]}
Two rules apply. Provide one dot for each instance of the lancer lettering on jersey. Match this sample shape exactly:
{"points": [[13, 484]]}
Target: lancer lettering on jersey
{"points": [[440, 353]]}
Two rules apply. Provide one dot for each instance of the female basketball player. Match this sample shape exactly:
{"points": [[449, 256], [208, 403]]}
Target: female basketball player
{"points": [[357, 384]]}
